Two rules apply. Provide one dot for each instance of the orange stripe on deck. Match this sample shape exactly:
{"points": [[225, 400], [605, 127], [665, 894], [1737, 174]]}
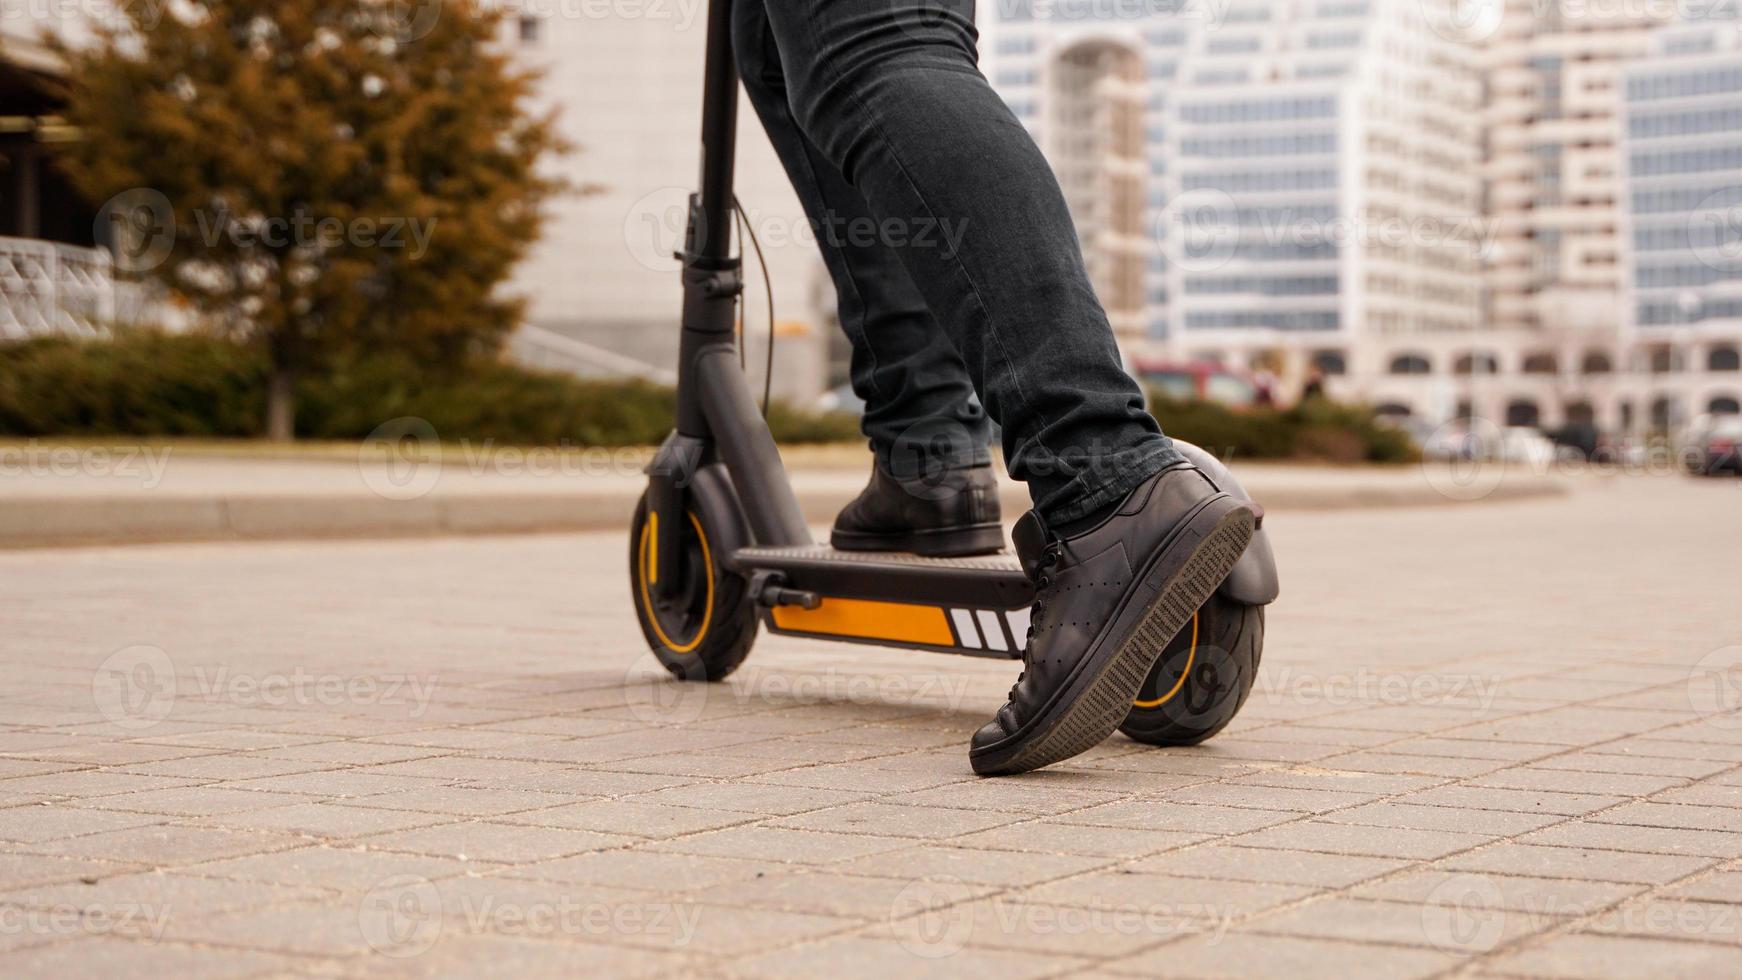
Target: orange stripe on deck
{"points": [[867, 619]]}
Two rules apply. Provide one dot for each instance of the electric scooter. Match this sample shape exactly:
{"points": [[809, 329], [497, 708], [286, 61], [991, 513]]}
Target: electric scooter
{"points": [[719, 546]]}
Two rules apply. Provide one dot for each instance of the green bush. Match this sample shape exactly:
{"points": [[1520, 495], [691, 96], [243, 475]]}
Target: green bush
{"points": [[144, 383], [1318, 430]]}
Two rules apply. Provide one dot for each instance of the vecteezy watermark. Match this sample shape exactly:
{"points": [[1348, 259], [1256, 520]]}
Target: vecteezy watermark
{"points": [[658, 696], [932, 458], [34, 458], [937, 918], [309, 232], [404, 21], [681, 14], [27, 17], [401, 916], [1472, 913], [1474, 21], [138, 920], [1715, 229], [1468, 459], [929, 920], [303, 688], [1205, 228], [1465, 21], [404, 459], [140, 225], [406, 915], [401, 459], [1200, 229], [1290, 685], [1465, 912], [1715, 687], [134, 687], [655, 227], [1212, 13], [144, 228], [1468, 470]]}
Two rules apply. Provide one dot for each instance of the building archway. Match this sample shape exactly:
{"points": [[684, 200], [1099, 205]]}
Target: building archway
{"points": [[1392, 410], [1523, 411], [1723, 357], [1596, 362], [1581, 413], [1541, 362], [1724, 405], [1476, 362]]}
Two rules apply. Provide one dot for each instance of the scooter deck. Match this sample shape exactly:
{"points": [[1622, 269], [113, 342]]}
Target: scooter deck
{"points": [[976, 605]]}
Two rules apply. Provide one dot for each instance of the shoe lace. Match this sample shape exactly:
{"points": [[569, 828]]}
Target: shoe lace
{"points": [[1049, 559]]}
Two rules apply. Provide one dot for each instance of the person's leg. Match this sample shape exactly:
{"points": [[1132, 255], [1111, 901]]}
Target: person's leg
{"points": [[932, 489], [888, 91], [920, 408], [1127, 538]]}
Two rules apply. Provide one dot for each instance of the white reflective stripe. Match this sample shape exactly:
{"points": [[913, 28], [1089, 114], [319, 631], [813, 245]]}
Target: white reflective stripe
{"points": [[993, 629], [1018, 620], [965, 630]]}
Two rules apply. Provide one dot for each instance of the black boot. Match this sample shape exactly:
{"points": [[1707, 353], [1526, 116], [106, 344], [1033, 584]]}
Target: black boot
{"points": [[1108, 601], [948, 513]]}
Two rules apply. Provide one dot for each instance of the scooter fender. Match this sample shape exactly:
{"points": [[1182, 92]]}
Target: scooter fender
{"points": [[1253, 581]]}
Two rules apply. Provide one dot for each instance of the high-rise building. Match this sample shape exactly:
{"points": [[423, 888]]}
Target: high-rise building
{"points": [[1553, 174], [1682, 136], [1091, 82], [1310, 179]]}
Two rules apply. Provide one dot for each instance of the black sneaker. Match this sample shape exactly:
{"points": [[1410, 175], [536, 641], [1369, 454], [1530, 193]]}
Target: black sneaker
{"points": [[1108, 601], [948, 514]]}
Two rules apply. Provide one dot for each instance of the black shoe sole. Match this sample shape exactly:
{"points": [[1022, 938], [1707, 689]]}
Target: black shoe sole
{"points": [[949, 542], [1185, 571]]}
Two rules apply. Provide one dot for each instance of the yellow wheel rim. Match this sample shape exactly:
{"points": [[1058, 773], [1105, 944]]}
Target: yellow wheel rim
{"points": [[645, 551], [1191, 655]]}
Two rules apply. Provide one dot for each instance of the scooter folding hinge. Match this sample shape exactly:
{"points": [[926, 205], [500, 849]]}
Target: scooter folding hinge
{"points": [[728, 281], [769, 588]]}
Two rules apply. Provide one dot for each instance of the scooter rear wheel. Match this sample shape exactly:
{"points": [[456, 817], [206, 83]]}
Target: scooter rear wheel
{"points": [[704, 628], [1203, 677]]}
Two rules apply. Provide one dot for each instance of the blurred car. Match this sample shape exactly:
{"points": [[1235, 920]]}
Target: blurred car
{"points": [[1197, 381], [1451, 441], [1523, 444], [1713, 445], [1582, 439], [1460, 440], [840, 399]]}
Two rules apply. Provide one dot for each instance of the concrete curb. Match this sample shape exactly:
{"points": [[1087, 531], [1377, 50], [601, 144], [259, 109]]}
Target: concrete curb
{"points": [[97, 519]]}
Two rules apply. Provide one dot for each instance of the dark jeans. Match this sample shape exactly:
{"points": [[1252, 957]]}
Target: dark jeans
{"points": [[955, 259]]}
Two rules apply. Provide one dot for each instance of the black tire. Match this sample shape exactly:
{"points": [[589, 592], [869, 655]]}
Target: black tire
{"points": [[705, 630], [1202, 678]]}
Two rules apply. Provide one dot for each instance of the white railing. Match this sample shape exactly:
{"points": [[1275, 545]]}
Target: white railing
{"points": [[551, 351], [50, 288]]}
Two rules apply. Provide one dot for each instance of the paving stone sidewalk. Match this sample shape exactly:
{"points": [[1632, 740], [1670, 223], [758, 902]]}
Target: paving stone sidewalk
{"points": [[1489, 741], [54, 495]]}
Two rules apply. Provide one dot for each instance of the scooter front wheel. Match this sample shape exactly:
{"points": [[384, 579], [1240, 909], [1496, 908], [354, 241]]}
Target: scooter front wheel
{"points": [[700, 627]]}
